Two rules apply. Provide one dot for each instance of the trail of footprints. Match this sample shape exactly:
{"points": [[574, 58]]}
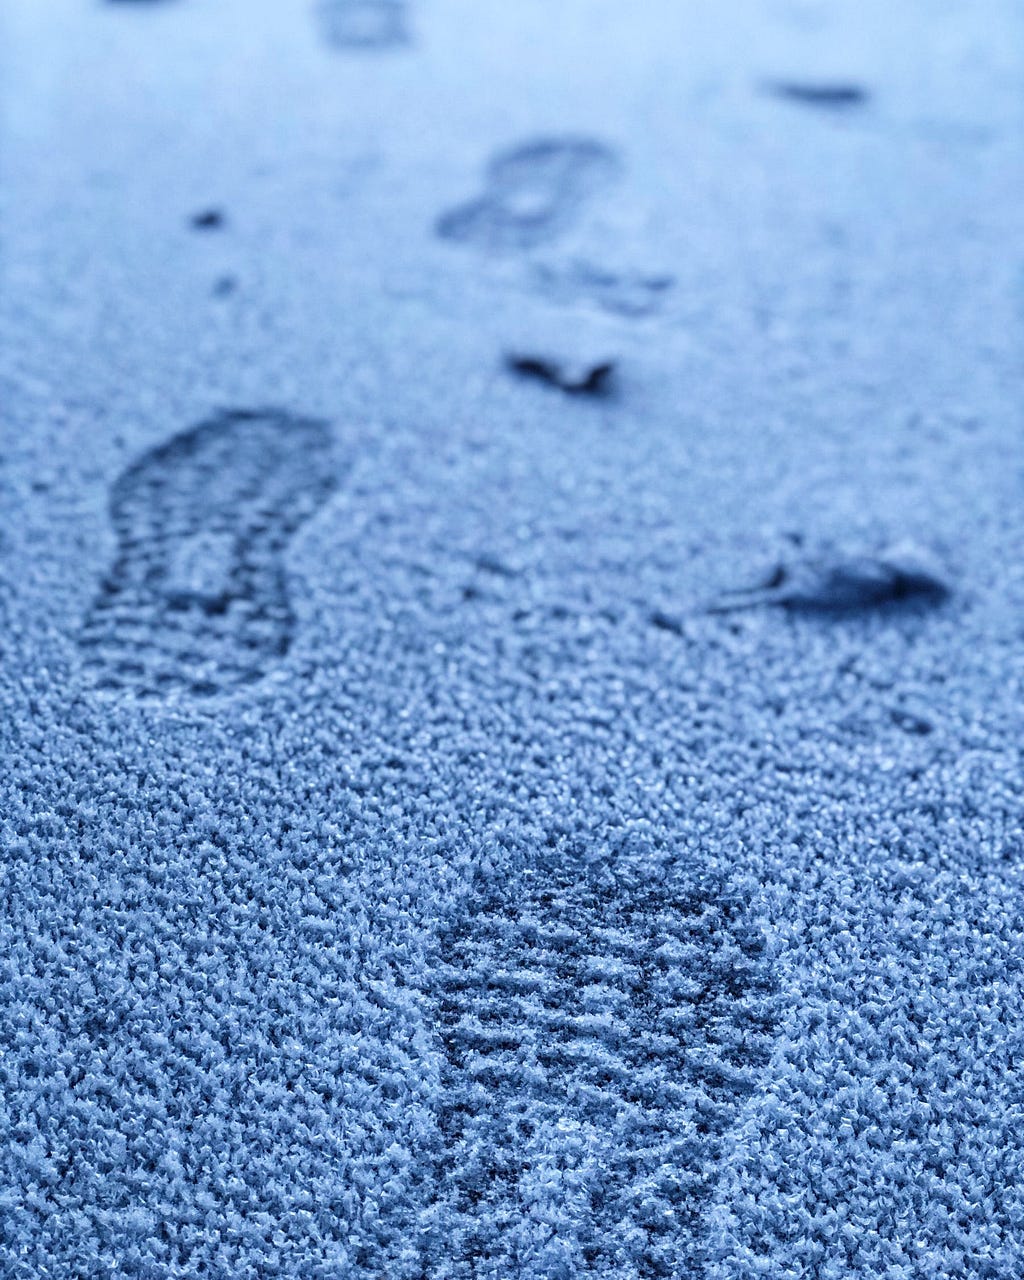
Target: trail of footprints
{"points": [[196, 600], [599, 1034]]}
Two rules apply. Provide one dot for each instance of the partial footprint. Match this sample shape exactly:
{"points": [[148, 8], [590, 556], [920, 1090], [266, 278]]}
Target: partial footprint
{"points": [[533, 193], [600, 1035], [901, 574], [633, 294], [364, 24], [196, 600]]}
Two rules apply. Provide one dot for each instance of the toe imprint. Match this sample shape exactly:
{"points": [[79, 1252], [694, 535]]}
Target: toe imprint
{"points": [[599, 1038], [533, 192], [196, 599]]}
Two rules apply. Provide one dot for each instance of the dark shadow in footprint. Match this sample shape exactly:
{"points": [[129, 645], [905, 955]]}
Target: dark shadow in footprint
{"points": [[833, 97], [533, 193], [600, 1033], [575, 378], [196, 600], [910, 722], [207, 220], [364, 24]]}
